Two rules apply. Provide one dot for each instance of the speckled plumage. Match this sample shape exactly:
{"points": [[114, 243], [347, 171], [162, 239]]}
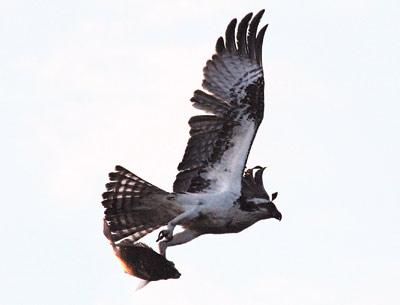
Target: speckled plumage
{"points": [[212, 193]]}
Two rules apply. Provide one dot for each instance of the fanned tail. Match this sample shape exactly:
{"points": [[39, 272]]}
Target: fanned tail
{"points": [[135, 207]]}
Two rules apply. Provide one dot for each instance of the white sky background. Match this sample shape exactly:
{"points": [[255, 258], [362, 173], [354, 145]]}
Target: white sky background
{"points": [[85, 85]]}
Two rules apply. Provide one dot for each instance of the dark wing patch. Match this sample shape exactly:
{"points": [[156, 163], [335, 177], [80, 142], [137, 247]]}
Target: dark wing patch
{"points": [[235, 84]]}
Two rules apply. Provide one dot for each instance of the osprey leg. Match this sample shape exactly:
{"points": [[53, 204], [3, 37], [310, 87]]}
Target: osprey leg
{"points": [[178, 239], [181, 218]]}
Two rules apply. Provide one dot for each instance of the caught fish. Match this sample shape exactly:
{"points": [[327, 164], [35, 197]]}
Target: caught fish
{"points": [[142, 261]]}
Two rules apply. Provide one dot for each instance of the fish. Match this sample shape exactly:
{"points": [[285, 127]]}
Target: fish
{"points": [[141, 261]]}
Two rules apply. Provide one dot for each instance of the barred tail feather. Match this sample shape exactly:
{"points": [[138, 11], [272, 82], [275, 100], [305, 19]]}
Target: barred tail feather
{"points": [[135, 207]]}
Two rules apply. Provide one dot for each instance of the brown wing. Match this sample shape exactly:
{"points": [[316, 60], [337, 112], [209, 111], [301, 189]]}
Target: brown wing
{"points": [[220, 142]]}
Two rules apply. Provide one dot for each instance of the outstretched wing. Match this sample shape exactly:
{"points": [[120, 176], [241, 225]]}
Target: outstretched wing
{"points": [[220, 142]]}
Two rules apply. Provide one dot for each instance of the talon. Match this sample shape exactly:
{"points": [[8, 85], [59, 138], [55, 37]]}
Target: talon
{"points": [[164, 234], [160, 236]]}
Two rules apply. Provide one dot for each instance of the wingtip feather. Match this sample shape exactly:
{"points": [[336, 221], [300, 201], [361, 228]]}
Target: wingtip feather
{"points": [[220, 46], [230, 36], [259, 44], [251, 39], [241, 35]]}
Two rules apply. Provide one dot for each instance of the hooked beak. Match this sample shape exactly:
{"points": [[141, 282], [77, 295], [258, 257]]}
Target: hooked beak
{"points": [[278, 215]]}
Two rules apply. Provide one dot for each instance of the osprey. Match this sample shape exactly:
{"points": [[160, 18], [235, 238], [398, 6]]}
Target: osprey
{"points": [[212, 193]]}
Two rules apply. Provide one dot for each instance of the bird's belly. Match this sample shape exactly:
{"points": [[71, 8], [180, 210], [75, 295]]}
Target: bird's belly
{"points": [[218, 223]]}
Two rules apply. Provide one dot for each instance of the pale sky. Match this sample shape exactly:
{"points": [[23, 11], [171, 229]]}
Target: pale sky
{"points": [[86, 85]]}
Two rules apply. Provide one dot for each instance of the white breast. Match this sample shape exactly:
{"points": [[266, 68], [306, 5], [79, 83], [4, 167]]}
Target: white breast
{"points": [[209, 200]]}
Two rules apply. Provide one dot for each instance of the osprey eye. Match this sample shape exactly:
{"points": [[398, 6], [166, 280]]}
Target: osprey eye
{"points": [[212, 193]]}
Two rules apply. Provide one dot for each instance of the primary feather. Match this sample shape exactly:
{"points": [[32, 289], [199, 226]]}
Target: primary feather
{"points": [[212, 192], [217, 151]]}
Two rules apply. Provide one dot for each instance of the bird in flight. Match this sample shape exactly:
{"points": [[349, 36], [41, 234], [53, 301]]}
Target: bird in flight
{"points": [[213, 193]]}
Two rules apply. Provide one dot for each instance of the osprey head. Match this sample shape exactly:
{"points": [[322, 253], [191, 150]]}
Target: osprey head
{"points": [[255, 197]]}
